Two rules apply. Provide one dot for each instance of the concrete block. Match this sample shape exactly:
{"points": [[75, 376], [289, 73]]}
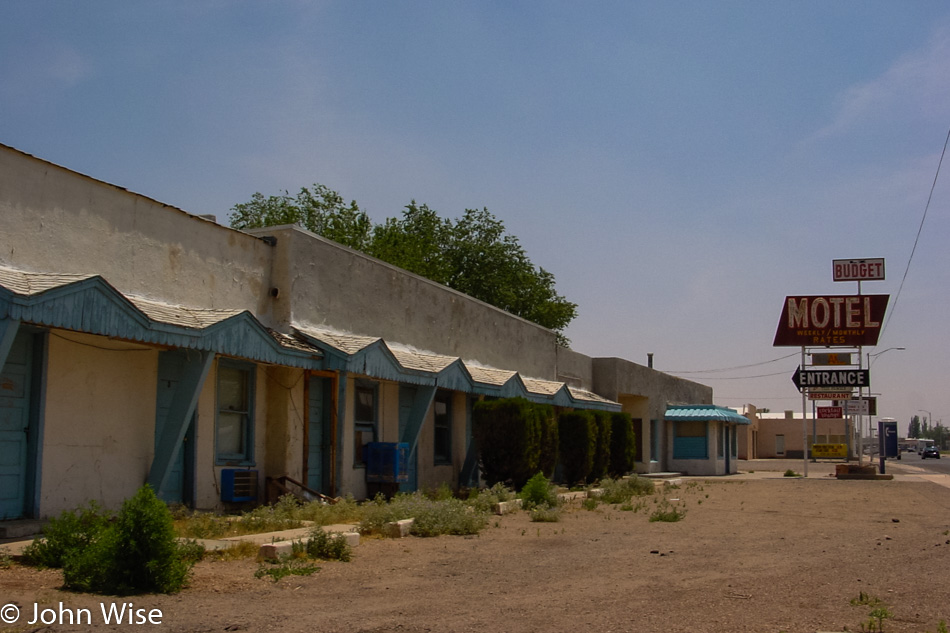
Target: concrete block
{"points": [[273, 551], [506, 507], [398, 529]]}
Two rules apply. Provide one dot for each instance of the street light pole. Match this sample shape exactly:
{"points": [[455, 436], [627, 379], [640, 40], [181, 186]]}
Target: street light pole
{"points": [[870, 356]]}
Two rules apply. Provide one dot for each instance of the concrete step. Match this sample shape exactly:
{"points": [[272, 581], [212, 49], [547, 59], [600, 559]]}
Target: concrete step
{"points": [[20, 528]]}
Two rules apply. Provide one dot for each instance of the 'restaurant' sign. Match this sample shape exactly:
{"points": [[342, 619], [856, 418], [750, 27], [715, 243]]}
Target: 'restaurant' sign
{"points": [[853, 320], [858, 269]]}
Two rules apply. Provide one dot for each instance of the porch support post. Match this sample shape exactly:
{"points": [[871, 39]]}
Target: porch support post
{"points": [[193, 374], [8, 330], [421, 402]]}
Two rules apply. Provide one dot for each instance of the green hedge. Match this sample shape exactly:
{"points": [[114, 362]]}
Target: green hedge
{"points": [[623, 444], [515, 440], [577, 433], [601, 463]]}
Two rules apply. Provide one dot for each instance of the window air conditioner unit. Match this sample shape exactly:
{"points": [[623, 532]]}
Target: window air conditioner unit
{"points": [[238, 485]]}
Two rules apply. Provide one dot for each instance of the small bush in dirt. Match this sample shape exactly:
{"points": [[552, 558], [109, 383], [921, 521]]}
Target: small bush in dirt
{"points": [[790, 473], [324, 546], [283, 567], [538, 492], [622, 490], [546, 514], [345, 510], [431, 518], [441, 493], [72, 531], [135, 553], [667, 513], [590, 503], [485, 500]]}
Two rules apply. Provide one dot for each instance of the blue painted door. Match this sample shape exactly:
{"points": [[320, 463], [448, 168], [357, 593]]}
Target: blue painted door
{"points": [[318, 435], [179, 486], [406, 396], [15, 384]]}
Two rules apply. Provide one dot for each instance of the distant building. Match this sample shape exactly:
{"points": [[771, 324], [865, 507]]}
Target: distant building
{"points": [[780, 435]]}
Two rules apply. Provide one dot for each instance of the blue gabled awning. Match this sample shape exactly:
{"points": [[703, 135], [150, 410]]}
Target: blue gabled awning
{"points": [[704, 413]]}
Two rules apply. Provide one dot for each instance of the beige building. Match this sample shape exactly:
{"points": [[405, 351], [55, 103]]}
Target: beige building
{"points": [[781, 434], [142, 344]]}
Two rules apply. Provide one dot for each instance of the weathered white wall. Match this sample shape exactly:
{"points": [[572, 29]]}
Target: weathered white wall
{"points": [[99, 423], [285, 423], [324, 283], [56, 220]]}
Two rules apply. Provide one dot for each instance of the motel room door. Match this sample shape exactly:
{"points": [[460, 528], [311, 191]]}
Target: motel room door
{"points": [[319, 437], [16, 426], [179, 487]]}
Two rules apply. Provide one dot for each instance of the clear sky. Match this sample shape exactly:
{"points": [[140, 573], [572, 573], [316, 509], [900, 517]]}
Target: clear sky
{"points": [[680, 167]]}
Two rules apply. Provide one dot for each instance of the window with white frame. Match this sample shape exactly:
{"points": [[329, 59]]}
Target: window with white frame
{"points": [[234, 424]]}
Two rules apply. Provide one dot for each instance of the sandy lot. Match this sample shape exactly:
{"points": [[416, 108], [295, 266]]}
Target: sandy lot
{"points": [[757, 553]]}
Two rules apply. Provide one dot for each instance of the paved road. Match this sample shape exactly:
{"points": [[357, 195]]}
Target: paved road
{"points": [[912, 463]]}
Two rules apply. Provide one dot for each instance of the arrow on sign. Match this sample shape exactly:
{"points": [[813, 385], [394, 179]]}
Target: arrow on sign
{"points": [[808, 378]]}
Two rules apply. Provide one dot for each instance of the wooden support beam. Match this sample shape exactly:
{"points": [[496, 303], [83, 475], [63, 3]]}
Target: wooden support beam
{"points": [[194, 371]]}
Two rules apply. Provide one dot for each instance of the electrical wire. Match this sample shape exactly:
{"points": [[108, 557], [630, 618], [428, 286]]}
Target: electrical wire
{"points": [[713, 371], [917, 239]]}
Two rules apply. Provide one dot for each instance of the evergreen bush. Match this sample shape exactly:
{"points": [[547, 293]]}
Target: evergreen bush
{"points": [[601, 461], [508, 434], [623, 444], [547, 460], [577, 439], [137, 553], [538, 492]]}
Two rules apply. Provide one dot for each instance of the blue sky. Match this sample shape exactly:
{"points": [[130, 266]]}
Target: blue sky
{"points": [[680, 167]]}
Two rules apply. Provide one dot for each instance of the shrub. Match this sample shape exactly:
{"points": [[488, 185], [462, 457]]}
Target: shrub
{"points": [[622, 490], [623, 444], [667, 513], [137, 553], [284, 567], [325, 546], [511, 438], [485, 500], [601, 461], [577, 439], [72, 531], [546, 514], [431, 518], [538, 492]]}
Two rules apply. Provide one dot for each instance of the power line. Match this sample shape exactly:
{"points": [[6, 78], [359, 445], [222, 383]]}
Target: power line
{"points": [[919, 231], [713, 371]]}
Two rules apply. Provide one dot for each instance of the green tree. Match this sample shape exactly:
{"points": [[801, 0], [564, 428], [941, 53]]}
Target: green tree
{"points": [[474, 255], [913, 429], [320, 210]]}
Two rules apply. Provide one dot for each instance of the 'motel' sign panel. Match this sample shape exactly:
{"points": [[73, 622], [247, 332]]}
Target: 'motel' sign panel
{"points": [[853, 320]]}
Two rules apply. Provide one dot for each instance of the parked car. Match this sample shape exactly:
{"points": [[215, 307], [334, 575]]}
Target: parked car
{"points": [[930, 451]]}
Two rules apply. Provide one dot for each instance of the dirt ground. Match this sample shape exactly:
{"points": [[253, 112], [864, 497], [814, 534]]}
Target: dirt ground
{"points": [[757, 553]]}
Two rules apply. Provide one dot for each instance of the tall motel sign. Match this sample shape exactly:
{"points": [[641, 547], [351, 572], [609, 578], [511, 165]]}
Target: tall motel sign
{"points": [[835, 328]]}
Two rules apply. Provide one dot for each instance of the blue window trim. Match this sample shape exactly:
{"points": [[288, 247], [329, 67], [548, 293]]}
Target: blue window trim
{"points": [[690, 447], [437, 458], [247, 457], [363, 425]]}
